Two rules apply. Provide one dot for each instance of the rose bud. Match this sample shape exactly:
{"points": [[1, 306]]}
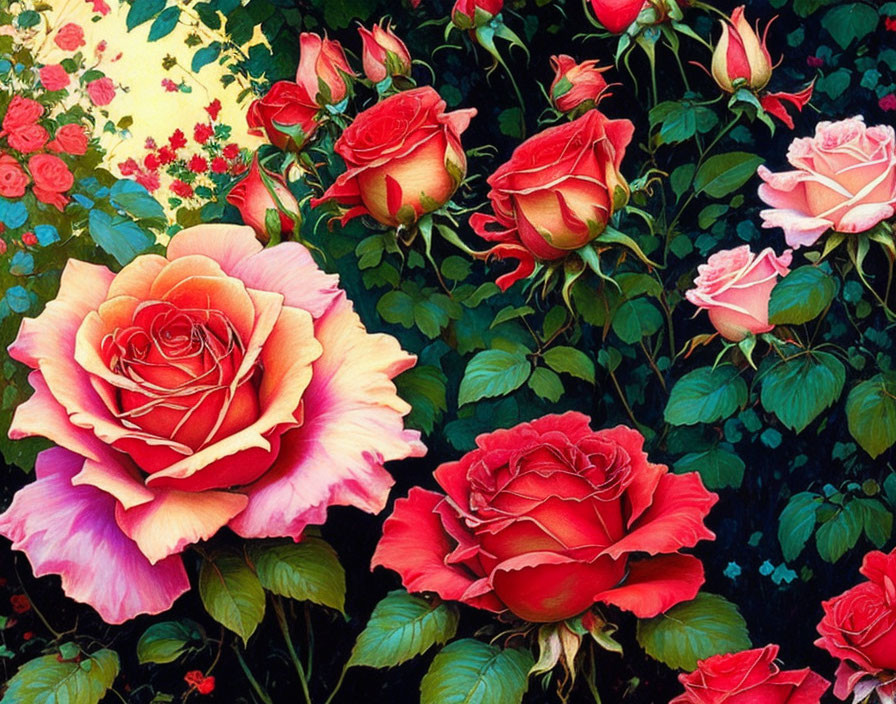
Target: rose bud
{"points": [[740, 59], [577, 86], [404, 158], [617, 15], [384, 53], [844, 179], [258, 193], [286, 115], [859, 629], [323, 70], [749, 677], [735, 285], [470, 14], [556, 193]]}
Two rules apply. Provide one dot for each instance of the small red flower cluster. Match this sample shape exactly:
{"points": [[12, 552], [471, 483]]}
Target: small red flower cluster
{"points": [[199, 682]]}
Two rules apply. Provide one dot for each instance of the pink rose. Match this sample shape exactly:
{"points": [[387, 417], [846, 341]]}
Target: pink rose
{"points": [[51, 179], [101, 91], [13, 178], [384, 53], [54, 77], [845, 179], [222, 385], [69, 37], [27, 138], [323, 70], [735, 285], [69, 139], [21, 112]]}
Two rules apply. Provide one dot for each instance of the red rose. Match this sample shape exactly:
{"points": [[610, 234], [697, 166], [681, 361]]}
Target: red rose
{"points": [[21, 112], [219, 165], [859, 627], [404, 158], [13, 178], [617, 15], [69, 37], [384, 54], [323, 70], [149, 180], [69, 139], [184, 190], [557, 192], [213, 108], [202, 132], [101, 91], [166, 155], [749, 677], [543, 520], [259, 192], [468, 14], [54, 77], [28, 138], [197, 164], [231, 151], [285, 114], [577, 86], [51, 179]]}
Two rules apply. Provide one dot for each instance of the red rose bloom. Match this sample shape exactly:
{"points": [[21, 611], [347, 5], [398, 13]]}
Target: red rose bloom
{"points": [[177, 140], [28, 139], [213, 109], [149, 180], [285, 115], [859, 628], [219, 165], [13, 178], [323, 71], [197, 164], [404, 158], [151, 162], [54, 77], [69, 139], [101, 91], [21, 112], [543, 520], [20, 603], [750, 677], [51, 179], [231, 151], [257, 193], [202, 132], [29, 239], [577, 87], [69, 37], [166, 155], [468, 14], [184, 190]]}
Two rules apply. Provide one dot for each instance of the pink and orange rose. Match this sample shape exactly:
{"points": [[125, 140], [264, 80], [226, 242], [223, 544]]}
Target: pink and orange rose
{"points": [[323, 70], [384, 53], [259, 192], [221, 385], [577, 86]]}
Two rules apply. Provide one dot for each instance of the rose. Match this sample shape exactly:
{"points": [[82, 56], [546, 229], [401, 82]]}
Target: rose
{"points": [[27, 138], [69, 139], [286, 115], [576, 86], [617, 15], [749, 677], [404, 158], [557, 192], [735, 285], [54, 77], [469, 14], [859, 628], [259, 192], [223, 384], [323, 70], [845, 179], [101, 91], [69, 37], [740, 59], [21, 112], [51, 179], [543, 519], [384, 54], [13, 178]]}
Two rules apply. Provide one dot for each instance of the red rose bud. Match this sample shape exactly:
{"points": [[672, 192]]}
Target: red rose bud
{"points": [[260, 193], [577, 86], [617, 15], [29, 239], [323, 71], [19, 602], [404, 158], [470, 14], [384, 54], [741, 59], [286, 115]]}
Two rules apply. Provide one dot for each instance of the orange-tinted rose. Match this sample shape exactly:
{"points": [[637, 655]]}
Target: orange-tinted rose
{"points": [[323, 70], [286, 115], [384, 53], [259, 192], [577, 86]]}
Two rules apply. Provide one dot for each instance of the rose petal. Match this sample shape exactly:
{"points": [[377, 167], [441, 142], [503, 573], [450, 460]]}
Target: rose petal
{"points": [[226, 244], [656, 584]]}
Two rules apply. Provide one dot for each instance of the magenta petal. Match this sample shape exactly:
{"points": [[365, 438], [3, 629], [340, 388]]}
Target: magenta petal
{"points": [[71, 531]]}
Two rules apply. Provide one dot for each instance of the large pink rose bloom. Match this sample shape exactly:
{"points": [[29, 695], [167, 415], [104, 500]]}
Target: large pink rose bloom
{"points": [[224, 385], [734, 286], [845, 179]]}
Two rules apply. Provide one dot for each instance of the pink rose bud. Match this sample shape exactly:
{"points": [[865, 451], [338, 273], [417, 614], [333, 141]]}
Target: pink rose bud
{"points": [[470, 14], [259, 192], [323, 71], [577, 86], [844, 179], [384, 53], [734, 286], [740, 58]]}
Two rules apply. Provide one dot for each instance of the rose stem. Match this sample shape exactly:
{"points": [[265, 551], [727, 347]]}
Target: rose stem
{"points": [[284, 628]]}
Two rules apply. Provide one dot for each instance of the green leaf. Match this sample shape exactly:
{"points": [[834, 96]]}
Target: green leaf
{"points": [[680, 179], [118, 236], [723, 173], [469, 671], [509, 313], [401, 627], [635, 319], [143, 11], [231, 593], [695, 630], [878, 521], [797, 390], [569, 360], [205, 56], [546, 384], [718, 468], [493, 373], [511, 122], [871, 413], [306, 571], [46, 680], [164, 24], [834, 537], [801, 296], [796, 523], [706, 395], [396, 307], [423, 387], [166, 641], [849, 22]]}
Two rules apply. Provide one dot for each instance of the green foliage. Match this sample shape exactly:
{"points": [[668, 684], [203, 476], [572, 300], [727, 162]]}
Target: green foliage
{"points": [[796, 523], [706, 395], [167, 640], [82, 679], [801, 296], [797, 389], [841, 532], [571, 361], [723, 173], [850, 22], [493, 373], [636, 319], [231, 593], [472, 672], [164, 24], [142, 11], [718, 468], [871, 413]]}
